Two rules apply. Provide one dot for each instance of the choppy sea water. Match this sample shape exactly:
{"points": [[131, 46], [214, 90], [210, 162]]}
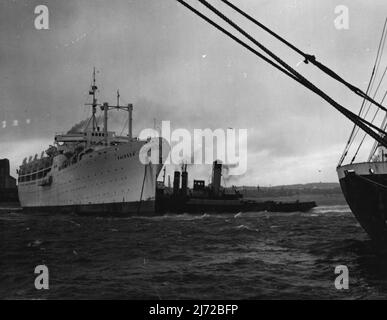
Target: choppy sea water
{"points": [[254, 255]]}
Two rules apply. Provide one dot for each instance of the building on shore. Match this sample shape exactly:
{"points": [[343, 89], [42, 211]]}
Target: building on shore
{"points": [[8, 188]]}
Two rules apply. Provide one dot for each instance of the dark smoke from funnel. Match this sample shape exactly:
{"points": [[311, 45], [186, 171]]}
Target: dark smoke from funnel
{"points": [[79, 126]]}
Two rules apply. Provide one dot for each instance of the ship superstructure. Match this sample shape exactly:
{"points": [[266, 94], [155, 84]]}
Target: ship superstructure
{"points": [[91, 170]]}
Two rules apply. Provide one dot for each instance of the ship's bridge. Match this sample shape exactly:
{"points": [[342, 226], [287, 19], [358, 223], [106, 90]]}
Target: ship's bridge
{"points": [[87, 136]]}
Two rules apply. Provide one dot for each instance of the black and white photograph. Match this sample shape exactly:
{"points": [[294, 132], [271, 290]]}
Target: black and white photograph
{"points": [[206, 151]]}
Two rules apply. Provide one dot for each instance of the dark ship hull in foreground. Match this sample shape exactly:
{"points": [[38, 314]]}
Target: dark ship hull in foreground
{"points": [[364, 188]]}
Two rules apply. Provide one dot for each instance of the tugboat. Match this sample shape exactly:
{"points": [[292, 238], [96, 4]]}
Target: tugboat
{"points": [[214, 198]]}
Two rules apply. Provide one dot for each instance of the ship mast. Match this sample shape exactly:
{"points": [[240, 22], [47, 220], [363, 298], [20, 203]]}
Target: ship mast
{"points": [[94, 104], [129, 108], [105, 108]]}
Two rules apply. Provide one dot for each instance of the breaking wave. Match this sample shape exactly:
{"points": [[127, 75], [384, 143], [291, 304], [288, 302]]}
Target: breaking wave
{"points": [[331, 209]]}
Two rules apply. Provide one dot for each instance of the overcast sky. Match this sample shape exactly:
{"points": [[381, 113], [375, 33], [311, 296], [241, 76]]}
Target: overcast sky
{"points": [[173, 66]]}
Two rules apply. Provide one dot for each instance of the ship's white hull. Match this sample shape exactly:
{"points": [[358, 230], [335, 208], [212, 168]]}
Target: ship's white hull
{"points": [[107, 180]]}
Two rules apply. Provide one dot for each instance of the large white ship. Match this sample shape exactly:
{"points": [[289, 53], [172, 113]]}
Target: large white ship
{"points": [[91, 170]]}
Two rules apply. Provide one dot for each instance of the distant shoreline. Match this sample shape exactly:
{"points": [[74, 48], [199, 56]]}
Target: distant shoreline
{"points": [[323, 194]]}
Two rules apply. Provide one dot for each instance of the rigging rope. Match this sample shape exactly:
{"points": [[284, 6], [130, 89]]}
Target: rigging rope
{"points": [[126, 123], [308, 58], [123, 128], [376, 144], [375, 93], [366, 114], [312, 59], [369, 88], [351, 136], [361, 142], [142, 191], [383, 39], [275, 65], [362, 123]]}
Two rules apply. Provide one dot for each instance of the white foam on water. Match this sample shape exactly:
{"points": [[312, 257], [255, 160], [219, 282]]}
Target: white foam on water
{"points": [[35, 243], [250, 214], [244, 227], [331, 209]]}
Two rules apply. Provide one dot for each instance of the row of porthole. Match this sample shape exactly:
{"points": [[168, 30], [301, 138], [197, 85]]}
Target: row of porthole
{"points": [[72, 190], [85, 187], [118, 158], [92, 156], [98, 196], [88, 177], [127, 155]]}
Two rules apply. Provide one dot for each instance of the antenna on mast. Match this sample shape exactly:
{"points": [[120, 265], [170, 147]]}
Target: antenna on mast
{"points": [[118, 97], [94, 89]]}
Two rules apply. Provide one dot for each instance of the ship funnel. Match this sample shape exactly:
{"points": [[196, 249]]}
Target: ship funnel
{"points": [[216, 176], [105, 108], [176, 182], [184, 182], [130, 123]]}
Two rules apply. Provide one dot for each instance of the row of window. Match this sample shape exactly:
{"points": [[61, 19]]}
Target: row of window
{"points": [[42, 174], [97, 134], [127, 155]]}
